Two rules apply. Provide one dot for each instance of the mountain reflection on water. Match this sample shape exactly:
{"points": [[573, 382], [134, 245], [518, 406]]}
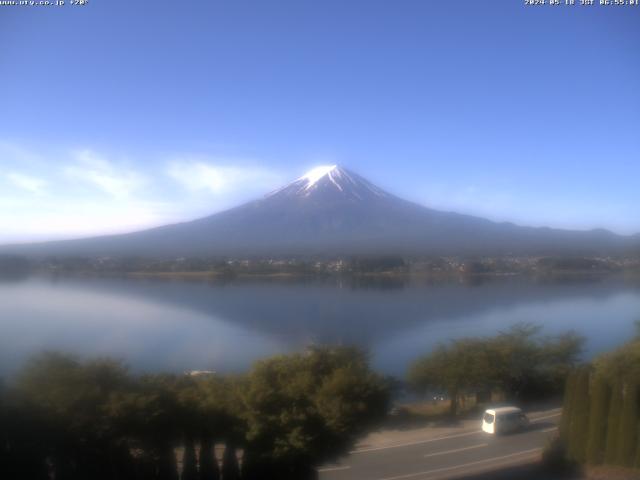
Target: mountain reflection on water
{"points": [[178, 325]]}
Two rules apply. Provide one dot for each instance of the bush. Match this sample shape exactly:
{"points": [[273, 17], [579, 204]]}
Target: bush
{"points": [[555, 460]]}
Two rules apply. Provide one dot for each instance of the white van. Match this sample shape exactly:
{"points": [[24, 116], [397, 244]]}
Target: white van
{"points": [[504, 420]]}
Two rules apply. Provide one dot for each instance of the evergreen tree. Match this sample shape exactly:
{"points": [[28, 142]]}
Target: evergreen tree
{"points": [[599, 408], [189, 467], [230, 468], [579, 425], [627, 430], [209, 469], [613, 424], [567, 410], [636, 462]]}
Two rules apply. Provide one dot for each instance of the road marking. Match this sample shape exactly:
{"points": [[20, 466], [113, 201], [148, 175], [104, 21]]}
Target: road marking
{"points": [[483, 469], [333, 469], [464, 465], [546, 416], [457, 435], [419, 442], [446, 452], [547, 430]]}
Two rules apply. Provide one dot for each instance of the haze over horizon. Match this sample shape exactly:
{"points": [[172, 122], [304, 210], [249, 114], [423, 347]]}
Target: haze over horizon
{"points": [[150, 114]]}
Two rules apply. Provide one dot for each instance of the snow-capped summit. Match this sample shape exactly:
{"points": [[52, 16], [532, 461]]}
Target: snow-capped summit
{"points": [[315, 174], [331, 180]]}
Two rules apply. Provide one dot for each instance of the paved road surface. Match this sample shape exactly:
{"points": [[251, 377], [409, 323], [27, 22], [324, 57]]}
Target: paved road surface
{"points": [[456, 454]]}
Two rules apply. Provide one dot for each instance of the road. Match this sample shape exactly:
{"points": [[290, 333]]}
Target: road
{"points": [[456, 454]]}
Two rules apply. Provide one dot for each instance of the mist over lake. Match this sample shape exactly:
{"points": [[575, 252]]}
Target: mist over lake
{"points": [[174, 325]]}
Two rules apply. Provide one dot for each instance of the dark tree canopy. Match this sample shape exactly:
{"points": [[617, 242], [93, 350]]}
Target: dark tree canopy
{"points": [[519, 362], [94, 419], [307, 408], [607, 395]]}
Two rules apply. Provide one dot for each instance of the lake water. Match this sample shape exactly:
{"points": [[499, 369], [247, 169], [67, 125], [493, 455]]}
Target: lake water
{"points": [[177, 325]]}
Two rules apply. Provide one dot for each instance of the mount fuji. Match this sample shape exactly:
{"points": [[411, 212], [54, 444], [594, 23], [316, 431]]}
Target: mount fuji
{"points": [[333, 211]]}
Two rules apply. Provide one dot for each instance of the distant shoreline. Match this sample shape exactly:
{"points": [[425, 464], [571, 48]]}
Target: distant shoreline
{"points": [[217, 275], [397, 276], [359, 270]]}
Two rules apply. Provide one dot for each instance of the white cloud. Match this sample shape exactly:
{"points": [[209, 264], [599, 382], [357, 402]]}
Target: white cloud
{"points": [[13, 152], [71, 219], [26, 182], [115, 181], [70, 194], [221, 178]]}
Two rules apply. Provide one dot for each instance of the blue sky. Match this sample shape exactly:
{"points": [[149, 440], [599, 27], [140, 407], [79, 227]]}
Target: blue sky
{"points": [[121, 115]]}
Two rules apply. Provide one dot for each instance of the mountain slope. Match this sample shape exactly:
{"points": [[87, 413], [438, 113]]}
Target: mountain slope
{"points": [[331, 210]]}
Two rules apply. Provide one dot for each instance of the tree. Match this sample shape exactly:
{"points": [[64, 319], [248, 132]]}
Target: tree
{"points": [[516, 357], [569, 393], [528, 365], [289, 414], [613, 423], [24, 439], [623, 366], [622, 363], [75, 398], [615, 394], [518, 361], [599, 407], [148, 414], [628, 428], [579, 424], [459, 367], [220, 406], [304, 409], [560, 354]]}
